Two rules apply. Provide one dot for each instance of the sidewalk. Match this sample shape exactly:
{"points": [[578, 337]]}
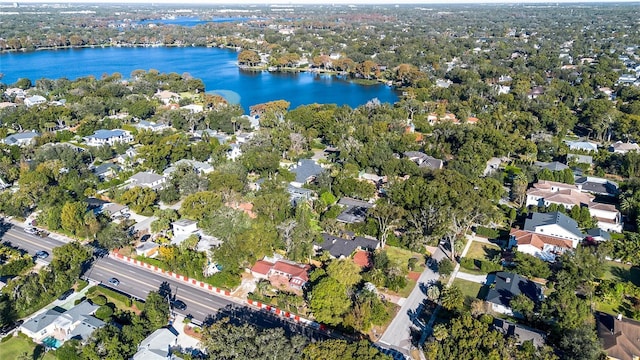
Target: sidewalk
{"points": [[185, 341], [480, 279]]}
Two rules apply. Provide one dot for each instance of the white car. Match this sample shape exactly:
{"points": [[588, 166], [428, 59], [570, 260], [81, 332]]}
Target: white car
{"points": [[31, 230]]}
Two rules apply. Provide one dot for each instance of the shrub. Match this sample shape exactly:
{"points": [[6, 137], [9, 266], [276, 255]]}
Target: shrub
{"points": [[81, 284], [445, 267], [487, 232], [412, 263], [488, 266], [6, 338], [468, 263], [104, 312], [99, 300]]}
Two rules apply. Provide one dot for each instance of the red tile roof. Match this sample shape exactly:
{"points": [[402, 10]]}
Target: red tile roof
{"points": [[262, 267], [528, 238], [362, 259], [293, 270]]}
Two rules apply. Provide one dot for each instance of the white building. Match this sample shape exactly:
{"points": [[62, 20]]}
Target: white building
{"points": [[34, 100], [108, 137]]}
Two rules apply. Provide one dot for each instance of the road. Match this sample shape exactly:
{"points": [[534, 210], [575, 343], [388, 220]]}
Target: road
{"points": [[398, 333], [137, 282]]}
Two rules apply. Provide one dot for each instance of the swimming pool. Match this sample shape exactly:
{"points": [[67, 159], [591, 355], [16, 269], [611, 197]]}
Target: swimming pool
{"points": [[52, 342]]}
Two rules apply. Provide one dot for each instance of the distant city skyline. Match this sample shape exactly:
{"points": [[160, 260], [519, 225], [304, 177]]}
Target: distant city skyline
{"points": [[315, 2]]}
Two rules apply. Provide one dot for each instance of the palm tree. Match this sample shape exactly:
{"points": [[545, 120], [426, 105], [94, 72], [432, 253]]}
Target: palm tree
{"points": [[440, 332]]}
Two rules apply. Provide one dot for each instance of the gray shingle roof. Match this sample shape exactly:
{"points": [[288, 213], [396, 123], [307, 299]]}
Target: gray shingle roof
{"points": [[509, 285], [147, 178], [106, 134], [339, 247], [553, 166], [558, 218], [37, 323], [103, 168], [599, 233], [305, 170]]}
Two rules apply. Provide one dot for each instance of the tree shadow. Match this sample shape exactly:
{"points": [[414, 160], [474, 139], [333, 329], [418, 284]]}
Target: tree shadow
{"points": [[632, 274], [165, 290], [491, 253], [38, 352]]}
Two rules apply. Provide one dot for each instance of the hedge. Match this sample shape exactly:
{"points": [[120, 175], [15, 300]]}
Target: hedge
{"points": [[487, 232]]}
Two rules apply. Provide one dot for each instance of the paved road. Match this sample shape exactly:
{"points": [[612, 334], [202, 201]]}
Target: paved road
{"points": [[138, 282], [398, 334]]}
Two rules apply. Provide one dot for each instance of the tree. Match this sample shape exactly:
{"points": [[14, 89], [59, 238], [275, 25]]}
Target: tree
{"points": [[114, 236], [445, 267], [139, 199], [388, 217], [522, 304], [342, 350], [344, 271], [440, 332], [249, 58], [329, 301], [72, 215], [581, 343], [452, 298], [156, 310]]}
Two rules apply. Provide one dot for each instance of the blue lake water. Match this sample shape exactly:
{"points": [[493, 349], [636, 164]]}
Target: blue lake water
{"points": [[216, 67]]}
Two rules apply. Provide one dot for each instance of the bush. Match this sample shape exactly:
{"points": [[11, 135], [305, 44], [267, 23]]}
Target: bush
{"points": [[445, 267], [6, 338], [487, 232], [488, 266], [81, 284], [104, 313], [15, 267], [99, 300], [468, 263]]}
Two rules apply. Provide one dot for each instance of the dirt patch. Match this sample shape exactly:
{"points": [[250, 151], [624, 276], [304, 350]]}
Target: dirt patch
{"points": [[413, 275], [188, 330]]}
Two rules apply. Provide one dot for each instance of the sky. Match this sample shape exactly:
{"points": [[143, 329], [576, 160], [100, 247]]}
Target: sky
{"points": [[292, 2]]}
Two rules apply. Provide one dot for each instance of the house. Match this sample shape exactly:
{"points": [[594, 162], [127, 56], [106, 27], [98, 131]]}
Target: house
{"points": [[6, 104], [538, 245], [554, 224], [545, 193], [580, 159], [535, 92], [75, 323], [620, 337], [254, 121], [493, 164], [553, 166], [582, 145], [423, 160], [151, 126], [193, 108], [113, 210], [434, 118], [148, 249], [108, 137], [355, 210], [147, 179], [4, 184], [167, 97], [128, 156], [157, 346], [21, 139], [597, 186], [298, 194], [520, 332], [341, 248], [282, 274], [182, 229], [623, 148], [507, 286], [17, 92], [598, 234], [106, 171], [305, 171], [34, 100], [202, 168], [234, 152]]}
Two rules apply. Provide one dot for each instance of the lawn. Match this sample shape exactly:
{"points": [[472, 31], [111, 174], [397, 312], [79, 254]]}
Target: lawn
{"points": [[470, 289], [482, 251], [400, 258], [18, 345], [622, 272]]}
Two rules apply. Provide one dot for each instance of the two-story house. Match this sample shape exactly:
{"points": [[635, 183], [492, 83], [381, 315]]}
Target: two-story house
{"points": [[108, 137]]}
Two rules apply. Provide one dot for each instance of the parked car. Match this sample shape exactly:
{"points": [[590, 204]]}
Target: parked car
{"points": [[178, 304], [145, 237], [113, 281], [10, 327], [66, 294], [42, 254], [42, 233], [31, 230]]}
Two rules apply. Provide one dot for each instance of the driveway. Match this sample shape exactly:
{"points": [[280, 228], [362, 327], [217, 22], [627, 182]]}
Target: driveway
{"points": [[480, 279], [398, 334]]}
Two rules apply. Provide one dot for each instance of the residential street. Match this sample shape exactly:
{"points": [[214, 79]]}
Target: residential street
{"points": [[398, 334]]}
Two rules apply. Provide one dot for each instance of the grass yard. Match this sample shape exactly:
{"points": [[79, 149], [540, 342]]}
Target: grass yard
{"points": [[18, 345], [400, 257], [470, 289], [482, 251], [622, 272]]}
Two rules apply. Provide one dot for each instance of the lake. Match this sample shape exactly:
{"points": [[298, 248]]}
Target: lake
{"points": [[216, 67]]}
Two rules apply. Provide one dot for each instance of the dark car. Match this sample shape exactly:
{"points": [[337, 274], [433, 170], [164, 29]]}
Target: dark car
{"points": [[66, 294], [10, 327], [145, 237], [113, 281], [178, 304], [42, 254], [42, 233]]}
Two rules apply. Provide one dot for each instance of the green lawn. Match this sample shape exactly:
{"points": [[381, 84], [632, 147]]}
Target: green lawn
{"points": [[482, 251], [16, 346], [622, 272], [400, 258], [470, 289]]}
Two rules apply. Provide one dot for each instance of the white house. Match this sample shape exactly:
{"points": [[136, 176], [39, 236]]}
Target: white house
{"points": [[21, 139], [34, 100], [75, 323], [234, 152], [182, 229], [623, 148], [151, 126], [157, 346], [147, 179], [582, 145], [200, 167], [194, 108], [108, 137], [167, 97]]}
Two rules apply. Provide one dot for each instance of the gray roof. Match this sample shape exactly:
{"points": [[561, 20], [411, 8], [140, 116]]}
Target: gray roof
{"points": [[558, 218], [509, 285], [581, 159], [14, 138], [148, 178], [599, 233], [424, 160], [522, 333], [198, 166], [39, 322], [156, 345], [305, 170], [354, 202], [84, 330], [339, 247], [147, 246], [104, 168], [184, 222], [553, 166], [597, 185], [356, 210], [81, 310], [582, 145], [106, 134]]}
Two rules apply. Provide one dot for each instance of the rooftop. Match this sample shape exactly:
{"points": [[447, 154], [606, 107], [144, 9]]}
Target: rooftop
{"points": [[509, 285], [620, 337], [340, 247], [553, 218]]}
